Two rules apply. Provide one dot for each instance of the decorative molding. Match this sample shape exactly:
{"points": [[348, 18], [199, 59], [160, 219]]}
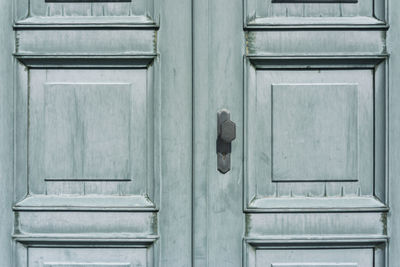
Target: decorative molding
{"points": [[322, 100], [102, 241], [80, 23], [91, 1], [85, 61], [87, 179], [252, 20], [316, 61], [136, 203], [365, 241], [314, 264], [311, 1], [258, 201], [87, 14], [82, 264], [375, 247]]}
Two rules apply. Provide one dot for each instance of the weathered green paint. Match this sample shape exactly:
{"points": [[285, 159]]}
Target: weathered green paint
{"points": [[394, 134], [6, 132], [103, 134], [109, 124], [218, 49]]}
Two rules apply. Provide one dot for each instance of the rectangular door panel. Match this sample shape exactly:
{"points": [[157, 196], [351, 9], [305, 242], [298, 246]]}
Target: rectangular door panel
{"points": [[42, 13], [88, 257], [86, 160], [310, 138], [97, 149], [315, 258], [315, 133], [90, 133], [90, 126], [314, 13]]}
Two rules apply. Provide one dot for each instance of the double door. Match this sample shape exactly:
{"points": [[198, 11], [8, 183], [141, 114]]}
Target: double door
{"points": [[112, 153]]}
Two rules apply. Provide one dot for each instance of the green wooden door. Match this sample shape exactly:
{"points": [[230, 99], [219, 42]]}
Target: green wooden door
{"points": [[307, 85], [99, 115], [108, 130]]}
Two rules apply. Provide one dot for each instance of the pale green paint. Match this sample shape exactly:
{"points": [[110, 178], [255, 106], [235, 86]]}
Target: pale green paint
{"points": [[175, 145], [218, 44], [115, 129], [316, 258], [103, 135], [394, 133], [6, 133]]}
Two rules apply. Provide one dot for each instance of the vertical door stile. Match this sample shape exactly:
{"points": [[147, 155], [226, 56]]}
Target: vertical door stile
{"points": [[218, 78]]}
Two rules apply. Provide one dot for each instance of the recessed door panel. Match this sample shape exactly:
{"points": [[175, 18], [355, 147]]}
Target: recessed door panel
{"points": [[314, 13], [314, 135], [315, 258], [88, 257], [310, 133], [90, 126]]}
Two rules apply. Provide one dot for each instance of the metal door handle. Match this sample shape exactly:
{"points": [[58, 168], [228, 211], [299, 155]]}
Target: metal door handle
{"points": [[226, 134]]}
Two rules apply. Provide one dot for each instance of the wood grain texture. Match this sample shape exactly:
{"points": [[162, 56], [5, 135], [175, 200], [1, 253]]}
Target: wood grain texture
{"points": [[314, 135], [394, 133], [314, 1], [316, 42], [259, 133], [218, 83], [86, 43], [88, 257], [297, 14], [137, 13], [175, 145], [91, 129], [6, 133], [316, 258]]}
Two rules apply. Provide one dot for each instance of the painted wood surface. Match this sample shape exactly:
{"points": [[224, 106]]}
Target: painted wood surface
{"points": [[394, 133], [314, 14], [218, 83], [6, 133], [110, 172], [296, 76], [103, 134], [175, 79]]}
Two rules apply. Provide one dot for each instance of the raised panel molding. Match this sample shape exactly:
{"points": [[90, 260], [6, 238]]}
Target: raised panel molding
{"points": [[314, 132], [87, 14], [316, 43], [314, 1], [315, 253], [85, 133], [89, 256], [132, 135], [86, 1], [316, 258], [55, 264], [100, 43], [277, 185], [315, 14], [314, 265]]}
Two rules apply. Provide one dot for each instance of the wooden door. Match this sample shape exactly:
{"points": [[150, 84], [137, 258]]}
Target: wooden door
{"points": [[307, 84], [108, 129], [98, 118]]}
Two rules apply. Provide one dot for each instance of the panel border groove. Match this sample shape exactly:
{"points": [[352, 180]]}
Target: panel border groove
{"points": [[378, 20], [24, 21], [378, 63], [378, 244], [24, 64]]}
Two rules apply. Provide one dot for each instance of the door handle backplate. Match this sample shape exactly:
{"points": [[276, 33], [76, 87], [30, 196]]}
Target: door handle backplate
{"points": [[226, 134]]}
